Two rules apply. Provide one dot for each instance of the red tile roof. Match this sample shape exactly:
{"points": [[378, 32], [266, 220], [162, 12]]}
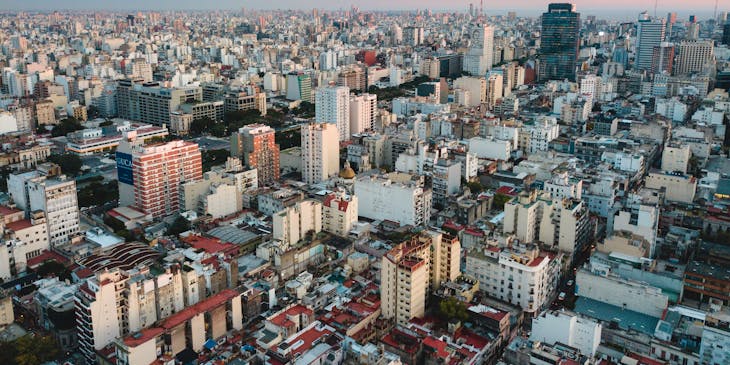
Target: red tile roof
{"points": [[19, 225], [46, 256], [200, 307], [142, 336]]}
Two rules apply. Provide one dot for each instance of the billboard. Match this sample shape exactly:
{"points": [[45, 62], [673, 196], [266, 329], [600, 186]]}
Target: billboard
{"points": [[124, 168]]}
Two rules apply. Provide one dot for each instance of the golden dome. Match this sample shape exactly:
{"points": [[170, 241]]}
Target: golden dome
{"points": [[347, 172]]}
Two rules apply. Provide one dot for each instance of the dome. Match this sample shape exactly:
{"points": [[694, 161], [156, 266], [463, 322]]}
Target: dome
{"points": [[347, 172]]}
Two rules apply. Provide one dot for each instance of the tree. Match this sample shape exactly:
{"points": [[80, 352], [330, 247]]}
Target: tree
{"points": [[66, 126], [198, 126], [452, 308], [213, 157], [180, 225], [475, 187], [500, 200], [33, 350], [70, 164]]}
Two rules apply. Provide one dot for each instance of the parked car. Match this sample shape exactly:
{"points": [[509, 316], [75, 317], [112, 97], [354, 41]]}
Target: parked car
{"points": [[561, 296]]}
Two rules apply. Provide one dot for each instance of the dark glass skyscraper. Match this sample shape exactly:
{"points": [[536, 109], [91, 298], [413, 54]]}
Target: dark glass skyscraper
{"points": [[559, 42], [726, 33]]}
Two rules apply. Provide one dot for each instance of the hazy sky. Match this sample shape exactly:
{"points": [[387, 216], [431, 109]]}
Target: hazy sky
{"points": [[528, 7]]}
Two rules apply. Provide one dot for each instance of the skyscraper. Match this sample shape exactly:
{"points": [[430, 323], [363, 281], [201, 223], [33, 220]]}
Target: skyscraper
{"points": [[363, 109], [320, 152], [649, 34], [726, 34], [694, 56], [333, 106], [559, 42], [150, 176], [478, 59], [257, 145]]}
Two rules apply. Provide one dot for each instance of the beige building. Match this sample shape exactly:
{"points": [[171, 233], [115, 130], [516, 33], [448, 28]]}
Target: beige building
{"points": [[494, 90], [533, 216], [320, 152], [413, 269], [678, 188], [625, 243], [339, 213], [676, 157], [23, 239], [293, 223], [476, 87], [44, 113]]}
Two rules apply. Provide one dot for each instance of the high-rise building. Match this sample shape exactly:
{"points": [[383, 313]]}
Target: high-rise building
{"points": [[48, 191], [413, 269], [726, 34], [151, 103], [662, 59], [97, 312], [478, 59], [150, 176], [494, 90], [649, 34], [320, 152], [559, 42], [694, 56], [363, 110], [299, 87], [256, 145], [332, 106]]}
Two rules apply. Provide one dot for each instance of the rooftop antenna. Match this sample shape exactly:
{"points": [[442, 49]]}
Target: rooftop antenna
{"points": [[656, 2]]}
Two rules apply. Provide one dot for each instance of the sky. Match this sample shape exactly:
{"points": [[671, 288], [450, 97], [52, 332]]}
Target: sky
{"points": [[623, 8]]}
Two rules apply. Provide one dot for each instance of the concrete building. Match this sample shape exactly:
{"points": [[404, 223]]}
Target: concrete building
{"points": [[445, 181], [521, 275], [563, 223], [398, 197], [150, 103], [299, 87], [363, 110], [294, 223], [24, 239], [599, 284], [678, 188], [476, 88], [675, 157], [98, 313], [255, 144], [715, 345], [495, 84], [478, 58], [150, 176], [412, 270], [339, 213], [47, 191], [490, 148], [320, 152], [567, 328], [332, 105], [694, 57]]}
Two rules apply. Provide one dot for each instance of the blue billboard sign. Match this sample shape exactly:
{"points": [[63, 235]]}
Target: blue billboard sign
{"points": [[125, 173]]}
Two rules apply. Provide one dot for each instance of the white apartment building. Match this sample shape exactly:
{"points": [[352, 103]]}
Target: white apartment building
{"points": [[54, 194], [562, 186], [292, 224], [98, 312], [413, 269], [339, 213], [521, 276], [541, 133], [23, 239], [332, 105], [478, 59], [495, 84], [320, 152], [398, 197], [363, 110], [490, 148], [567, 328]]}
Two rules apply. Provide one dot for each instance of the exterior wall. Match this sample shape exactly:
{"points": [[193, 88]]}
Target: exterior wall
{"points": [[320, 152], [676, 158], [678, 188], [384, 199], [622, 293], [490, 148], [581, 333]]}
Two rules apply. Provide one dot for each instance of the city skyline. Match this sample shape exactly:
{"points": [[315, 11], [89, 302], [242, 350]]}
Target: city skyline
{"points": [[529, 7]]}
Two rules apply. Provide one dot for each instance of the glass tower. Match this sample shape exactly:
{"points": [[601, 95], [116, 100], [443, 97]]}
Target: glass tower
{"points": [[559, 42]]}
